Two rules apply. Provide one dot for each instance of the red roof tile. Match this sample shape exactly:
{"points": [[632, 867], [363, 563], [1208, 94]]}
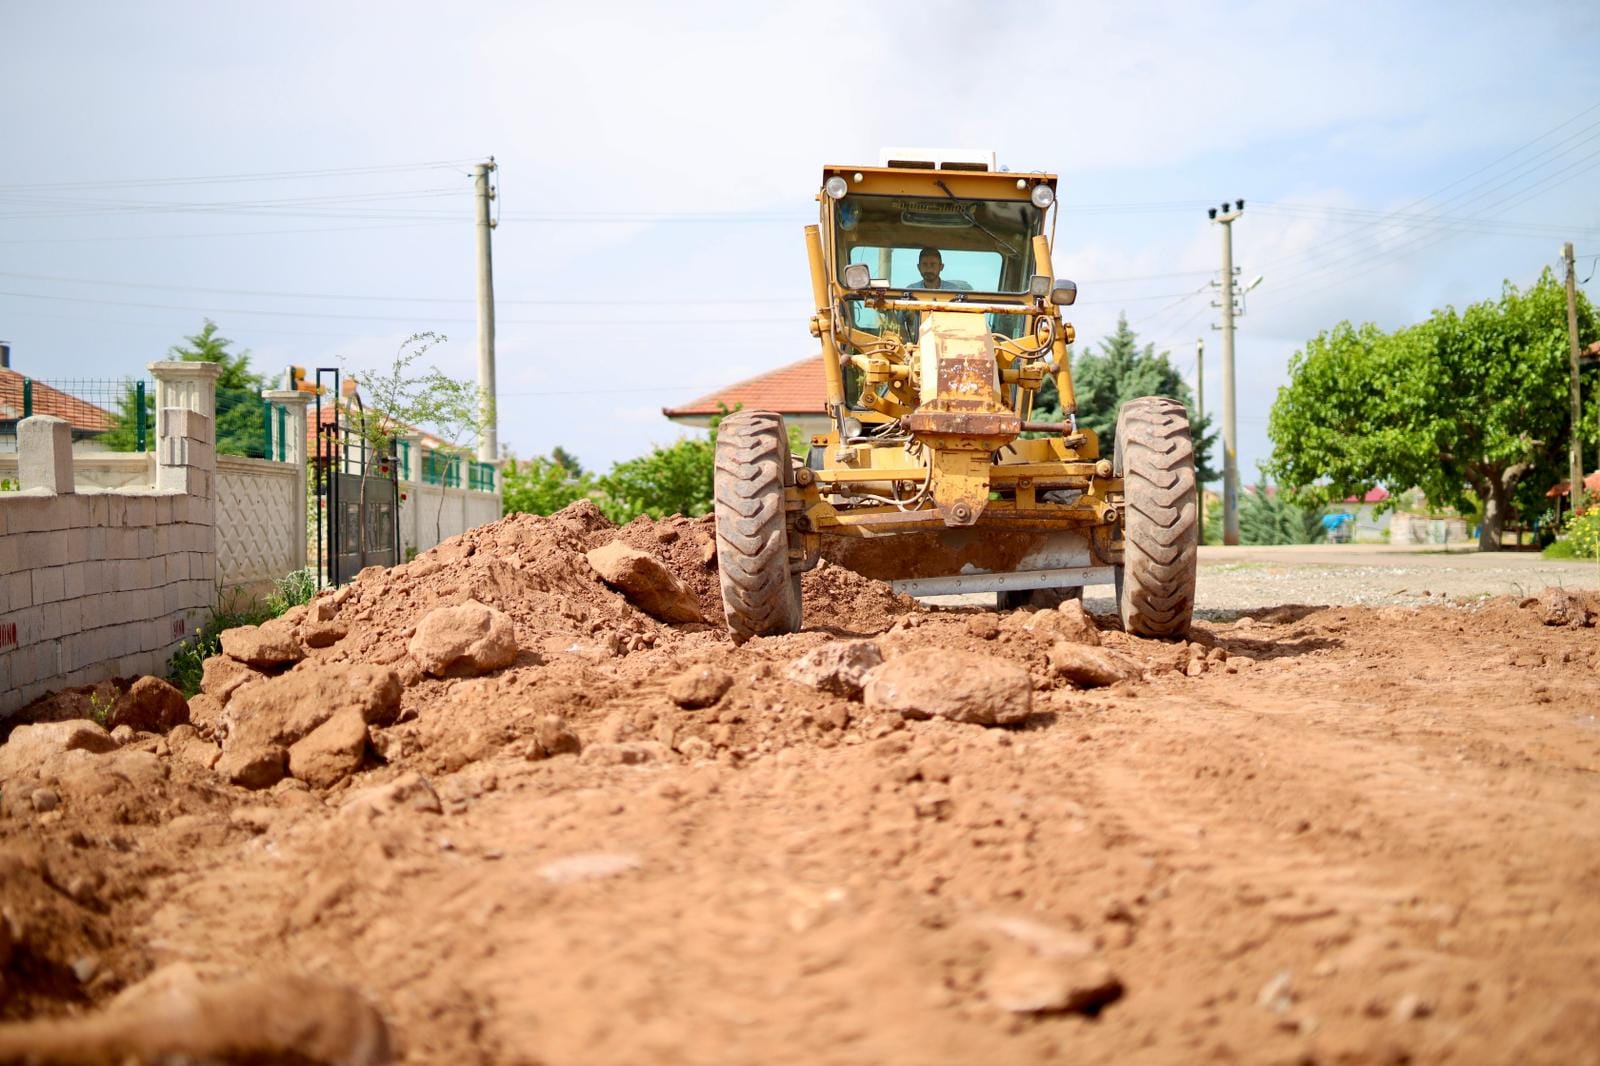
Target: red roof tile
{"points": [[47, 400], [797, 389], [1377, 495]]}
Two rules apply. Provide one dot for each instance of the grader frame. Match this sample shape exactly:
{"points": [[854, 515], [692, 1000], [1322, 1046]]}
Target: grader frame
{"points": [[933, 473]]}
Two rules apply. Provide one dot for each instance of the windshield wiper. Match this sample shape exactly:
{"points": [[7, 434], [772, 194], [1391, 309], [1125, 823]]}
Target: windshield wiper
{"points": [[971, 215]]}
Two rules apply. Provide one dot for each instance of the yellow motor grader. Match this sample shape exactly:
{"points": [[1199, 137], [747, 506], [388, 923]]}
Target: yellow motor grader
{"points": [[939, 314]]}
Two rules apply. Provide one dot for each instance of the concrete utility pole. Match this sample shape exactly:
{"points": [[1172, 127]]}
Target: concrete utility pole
{"points": [[1575, 459], [1199, 416], [1230, 425], [488, 436]]}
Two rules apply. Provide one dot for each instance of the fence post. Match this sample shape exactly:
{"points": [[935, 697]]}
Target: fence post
{"points": [[27, 397], [142, 441], [186, 459], [291, 406]]}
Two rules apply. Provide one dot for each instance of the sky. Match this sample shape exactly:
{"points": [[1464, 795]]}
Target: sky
{"points": [[301, 173]]}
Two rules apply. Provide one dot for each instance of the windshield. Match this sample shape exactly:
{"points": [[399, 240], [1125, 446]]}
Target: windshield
{"points": [[920, 243]]}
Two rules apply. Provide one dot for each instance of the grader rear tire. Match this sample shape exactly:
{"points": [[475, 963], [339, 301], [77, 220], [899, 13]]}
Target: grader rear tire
{"points": [[1160, 524], [760, 595]]}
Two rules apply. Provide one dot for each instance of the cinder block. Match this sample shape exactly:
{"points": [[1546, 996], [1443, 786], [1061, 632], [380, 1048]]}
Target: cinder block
{"points": [[147, 542], [116, 510], [49, 584], [50, 621], [97, 542], [73, 580], [164, 510], [142, 510], [71, 617], [77, 541], [99, 509], [44, 454], [9, 553], [18, 589]]}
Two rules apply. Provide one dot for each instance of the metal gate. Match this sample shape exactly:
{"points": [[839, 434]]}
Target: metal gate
{"points": [[357, 491]]}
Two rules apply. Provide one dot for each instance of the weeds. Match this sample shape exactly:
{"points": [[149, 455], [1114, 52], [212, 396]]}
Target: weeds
{"points": [[185, 667], [100, 709]]}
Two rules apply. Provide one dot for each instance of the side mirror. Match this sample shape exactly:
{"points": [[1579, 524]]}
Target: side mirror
{"points": [[857, 276], [1064, 293]]}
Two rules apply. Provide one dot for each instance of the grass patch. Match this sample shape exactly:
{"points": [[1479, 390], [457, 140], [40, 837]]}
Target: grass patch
{"points": [[187, 663], [1560, 549]]}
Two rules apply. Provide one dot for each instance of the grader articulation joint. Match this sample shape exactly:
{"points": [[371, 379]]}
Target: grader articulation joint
{"points": [[939, 315]]}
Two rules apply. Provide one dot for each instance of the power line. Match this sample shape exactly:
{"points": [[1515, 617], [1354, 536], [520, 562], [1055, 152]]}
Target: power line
{"points": [[266, 175], [699, 321]]}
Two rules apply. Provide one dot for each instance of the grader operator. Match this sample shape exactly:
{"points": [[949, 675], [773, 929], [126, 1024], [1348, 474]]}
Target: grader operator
{"points": [[939, 314]]}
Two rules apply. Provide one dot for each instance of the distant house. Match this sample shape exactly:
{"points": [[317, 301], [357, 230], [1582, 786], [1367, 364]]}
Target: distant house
{"points": [[798, 392], [87, 420]]}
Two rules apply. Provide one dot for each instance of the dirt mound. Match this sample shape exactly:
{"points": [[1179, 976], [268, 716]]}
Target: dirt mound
{"points": [[844, 602]]}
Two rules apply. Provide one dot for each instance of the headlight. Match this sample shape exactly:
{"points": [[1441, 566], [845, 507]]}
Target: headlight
{"points": [[857, 276], [1043, 196], [1039, 285], [836, 187]]}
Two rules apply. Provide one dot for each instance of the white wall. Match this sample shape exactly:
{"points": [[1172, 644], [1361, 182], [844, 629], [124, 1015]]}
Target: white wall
{"points": [[420, 514]]}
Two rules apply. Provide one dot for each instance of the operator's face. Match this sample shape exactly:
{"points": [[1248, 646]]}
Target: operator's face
{"points": [[929, 266]]}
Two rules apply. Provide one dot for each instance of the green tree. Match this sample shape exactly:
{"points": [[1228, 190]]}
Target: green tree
{"points": [[404, 397], [673, 478], [1121, 371], [239, 426], [1463, 405], [1267, 516], [544, 485]]}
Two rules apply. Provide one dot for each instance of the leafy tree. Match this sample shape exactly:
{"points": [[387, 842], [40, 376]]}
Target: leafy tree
{"points": [[239, 430], [1121, 371], [1464, 404], [544, 485], [403, 397], [1269, 517], [674, 478]]}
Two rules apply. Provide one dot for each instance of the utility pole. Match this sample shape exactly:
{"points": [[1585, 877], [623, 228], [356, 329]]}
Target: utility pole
{"points": [[488, 435], [1575, 459], [1230, 425], [1200, 416]]}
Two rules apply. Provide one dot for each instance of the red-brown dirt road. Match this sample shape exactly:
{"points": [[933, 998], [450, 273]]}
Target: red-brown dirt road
{"points": [[1316, 835]]}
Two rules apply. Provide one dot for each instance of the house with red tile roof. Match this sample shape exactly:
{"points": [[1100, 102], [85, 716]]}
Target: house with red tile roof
{"points": [[87, 420], [798, 392]]}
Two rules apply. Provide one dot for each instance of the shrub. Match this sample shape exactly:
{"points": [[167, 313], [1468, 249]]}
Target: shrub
{"points": [[188, 661]]}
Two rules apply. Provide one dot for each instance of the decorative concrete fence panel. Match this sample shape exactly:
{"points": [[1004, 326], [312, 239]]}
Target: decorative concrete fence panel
{"points": [[261, 522], [431, 513]]}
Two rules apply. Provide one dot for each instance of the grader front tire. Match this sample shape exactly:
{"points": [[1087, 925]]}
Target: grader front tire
{"points": [[1160, 525], [760, 596]]}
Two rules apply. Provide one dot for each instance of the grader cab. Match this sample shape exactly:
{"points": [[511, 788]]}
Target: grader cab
{"points": [[939, 315]]}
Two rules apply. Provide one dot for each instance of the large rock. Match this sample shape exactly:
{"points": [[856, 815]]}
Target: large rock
{"points": [[206, 714], [151, 705], [31, 745], [270, 646], [253, 766], [839, 668], [1563, 607], [221, 677], [646, 581], [1069, 622], [464, 640], [408, 792], [1030, 985], [331, 752], [189, 1012], [1089, 667], [269, 716], [944, 683], [699, 686]]}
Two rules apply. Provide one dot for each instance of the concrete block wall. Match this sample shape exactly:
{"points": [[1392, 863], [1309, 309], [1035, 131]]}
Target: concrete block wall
{"points": [[98, 583]]}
